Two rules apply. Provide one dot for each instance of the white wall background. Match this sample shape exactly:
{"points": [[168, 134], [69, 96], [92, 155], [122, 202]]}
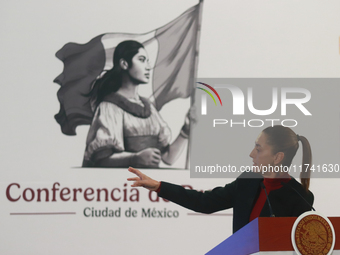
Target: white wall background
{"points": [[239, 39]]}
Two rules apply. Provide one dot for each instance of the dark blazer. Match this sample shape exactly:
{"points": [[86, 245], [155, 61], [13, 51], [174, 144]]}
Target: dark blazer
{"points": [[241, 195]]}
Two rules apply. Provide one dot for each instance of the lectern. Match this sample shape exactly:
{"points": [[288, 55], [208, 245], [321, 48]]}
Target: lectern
{"points": [[266, 236]]}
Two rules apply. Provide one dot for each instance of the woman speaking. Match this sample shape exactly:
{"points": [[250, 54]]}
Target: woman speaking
{"points": [[253, 194]]}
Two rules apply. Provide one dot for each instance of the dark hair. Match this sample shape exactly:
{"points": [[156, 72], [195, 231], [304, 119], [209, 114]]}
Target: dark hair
{"points": [[111, 81], [283, 139]]}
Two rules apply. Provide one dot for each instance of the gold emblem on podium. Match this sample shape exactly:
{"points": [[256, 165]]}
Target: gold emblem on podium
{"points": [[312, 234]]}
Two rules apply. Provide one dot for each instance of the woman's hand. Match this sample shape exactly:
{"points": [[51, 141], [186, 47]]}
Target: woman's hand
{"points": [[143, 180], [149, 157]]}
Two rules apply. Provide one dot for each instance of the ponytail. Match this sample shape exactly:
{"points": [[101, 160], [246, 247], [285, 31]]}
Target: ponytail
{"points": [[283, 139], [306, 162], [110, 82]]}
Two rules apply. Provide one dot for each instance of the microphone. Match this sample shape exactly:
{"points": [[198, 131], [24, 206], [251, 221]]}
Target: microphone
{"points": [[270, 206], [285, 184]]}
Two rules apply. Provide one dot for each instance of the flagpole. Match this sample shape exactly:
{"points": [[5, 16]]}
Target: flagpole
{"points": [[192, 97]]}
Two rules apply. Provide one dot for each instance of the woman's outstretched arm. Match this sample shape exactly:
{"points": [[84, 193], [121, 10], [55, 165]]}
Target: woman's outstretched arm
{"points": [[219, 198], [143, 180]]}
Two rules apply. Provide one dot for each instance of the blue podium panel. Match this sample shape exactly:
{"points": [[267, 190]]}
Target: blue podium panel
{"points": [[244, 241]]}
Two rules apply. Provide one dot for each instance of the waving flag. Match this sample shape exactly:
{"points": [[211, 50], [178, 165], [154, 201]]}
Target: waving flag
{"points": [[172, 48]]}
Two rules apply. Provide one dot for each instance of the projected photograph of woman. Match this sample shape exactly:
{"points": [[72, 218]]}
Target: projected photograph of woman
{"points": [[131, 106], [127, 130]]}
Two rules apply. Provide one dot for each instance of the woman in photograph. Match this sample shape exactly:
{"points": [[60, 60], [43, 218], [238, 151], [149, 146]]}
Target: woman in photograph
{"points": [[127, 130], [276, 147]]}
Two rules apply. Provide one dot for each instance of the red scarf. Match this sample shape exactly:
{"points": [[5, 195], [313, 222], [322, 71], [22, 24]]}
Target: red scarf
{"points": [[270, 184]]}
